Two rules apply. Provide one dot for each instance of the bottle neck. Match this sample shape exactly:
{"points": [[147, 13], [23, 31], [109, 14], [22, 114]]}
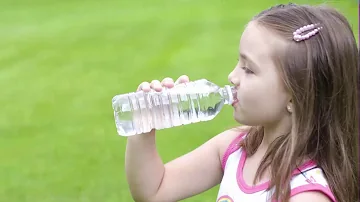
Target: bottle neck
{"points": [[228, 93]]}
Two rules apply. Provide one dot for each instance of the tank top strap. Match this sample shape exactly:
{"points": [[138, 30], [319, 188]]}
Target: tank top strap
{"points": [[311, 178], [234, 146]]}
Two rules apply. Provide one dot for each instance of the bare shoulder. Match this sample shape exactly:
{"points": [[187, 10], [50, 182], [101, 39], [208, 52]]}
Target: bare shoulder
{"points": [[310, 196], [225, 138]]}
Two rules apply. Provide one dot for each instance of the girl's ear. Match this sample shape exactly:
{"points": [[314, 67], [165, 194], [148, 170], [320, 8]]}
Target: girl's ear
{"points": [[289, 106]]}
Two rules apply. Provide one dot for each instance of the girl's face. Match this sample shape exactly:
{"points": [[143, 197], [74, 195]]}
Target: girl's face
{"points": [[262, 96]]}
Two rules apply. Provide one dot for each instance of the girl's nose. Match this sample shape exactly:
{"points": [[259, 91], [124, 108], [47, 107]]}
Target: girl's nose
{"points": [[233, 78], [230, 76]]}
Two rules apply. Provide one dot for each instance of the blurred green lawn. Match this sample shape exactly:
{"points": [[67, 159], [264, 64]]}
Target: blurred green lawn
{"points": [[61, 62]]}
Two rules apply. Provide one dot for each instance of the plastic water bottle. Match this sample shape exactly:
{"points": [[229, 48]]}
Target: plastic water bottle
{"points": [[186, 103]]}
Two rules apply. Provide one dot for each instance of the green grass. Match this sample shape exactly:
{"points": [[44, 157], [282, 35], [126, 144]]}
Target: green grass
{"points": [[61, 62]]}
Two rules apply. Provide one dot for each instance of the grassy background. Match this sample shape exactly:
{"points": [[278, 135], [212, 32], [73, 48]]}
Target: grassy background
{"points": [[61, 62]]}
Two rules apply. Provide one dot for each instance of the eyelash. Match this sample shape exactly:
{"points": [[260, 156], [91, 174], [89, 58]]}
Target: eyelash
{"points": [[247, 71]]}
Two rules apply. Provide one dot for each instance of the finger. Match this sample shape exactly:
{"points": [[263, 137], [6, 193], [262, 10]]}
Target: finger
{"points": [[156, 85], [182, 79], [144, 86], [167, 82]]}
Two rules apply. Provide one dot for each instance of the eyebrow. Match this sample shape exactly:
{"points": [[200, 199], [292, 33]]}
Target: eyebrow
{"points": [[245, 57]]}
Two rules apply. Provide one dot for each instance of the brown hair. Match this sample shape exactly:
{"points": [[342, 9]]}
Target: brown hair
{"points": [[321, 74]]}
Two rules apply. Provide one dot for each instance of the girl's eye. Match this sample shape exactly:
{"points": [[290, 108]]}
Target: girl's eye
{"points": [[247, 71]]}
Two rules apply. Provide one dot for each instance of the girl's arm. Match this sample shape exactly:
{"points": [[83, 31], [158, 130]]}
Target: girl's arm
{"points": [[150, 180]]}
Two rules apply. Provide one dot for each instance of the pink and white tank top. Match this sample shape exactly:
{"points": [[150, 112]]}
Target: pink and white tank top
{"points": [[233, 188]]}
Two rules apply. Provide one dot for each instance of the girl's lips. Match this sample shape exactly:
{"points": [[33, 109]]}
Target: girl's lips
{"points": [[235, 102], [235, 97]]}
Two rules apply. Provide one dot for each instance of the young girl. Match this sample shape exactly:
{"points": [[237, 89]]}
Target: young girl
{"points": [[296, 85]]}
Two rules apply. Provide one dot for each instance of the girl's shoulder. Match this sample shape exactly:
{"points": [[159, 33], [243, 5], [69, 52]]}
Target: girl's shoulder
{"points": [[229, 142], [307, 177], [310, 178]]}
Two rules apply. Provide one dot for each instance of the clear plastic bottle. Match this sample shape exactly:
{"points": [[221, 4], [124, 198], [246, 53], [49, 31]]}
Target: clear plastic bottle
{"points": [[139, 112]]}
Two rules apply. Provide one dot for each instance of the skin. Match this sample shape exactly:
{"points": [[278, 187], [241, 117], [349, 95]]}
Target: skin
{"points": [[263, 100]]}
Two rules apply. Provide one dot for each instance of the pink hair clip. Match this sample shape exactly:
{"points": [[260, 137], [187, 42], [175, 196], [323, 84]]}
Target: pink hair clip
{"points": [[298, 32]]}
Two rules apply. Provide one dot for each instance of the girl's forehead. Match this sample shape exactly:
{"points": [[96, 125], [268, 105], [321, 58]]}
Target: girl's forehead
{"points": [[258, 42]]}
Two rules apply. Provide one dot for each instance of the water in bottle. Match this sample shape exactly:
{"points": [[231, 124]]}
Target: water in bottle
{"points": [[140, 112]]}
